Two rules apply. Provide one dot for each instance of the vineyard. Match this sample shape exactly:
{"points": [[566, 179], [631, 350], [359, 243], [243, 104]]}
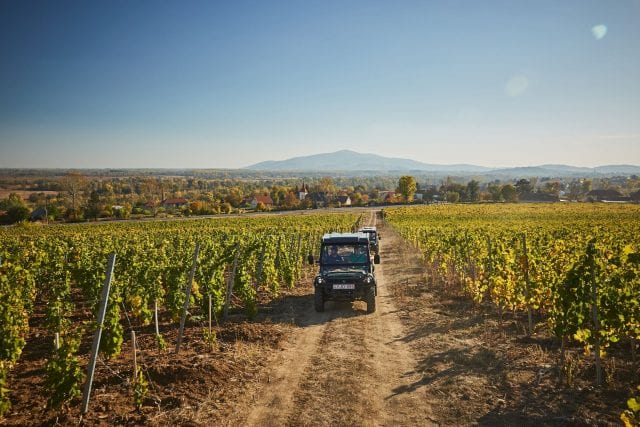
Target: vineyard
{"points": [[572, 269], [200, 271], [198, 311]]}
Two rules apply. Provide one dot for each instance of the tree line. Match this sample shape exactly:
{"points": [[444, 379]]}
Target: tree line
{"points": [[77, 197]]}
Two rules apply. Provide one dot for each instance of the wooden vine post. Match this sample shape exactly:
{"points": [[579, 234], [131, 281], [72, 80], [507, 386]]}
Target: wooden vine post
{"points": [[187, 297], [134, 348], [102, 310], [155, 318]]}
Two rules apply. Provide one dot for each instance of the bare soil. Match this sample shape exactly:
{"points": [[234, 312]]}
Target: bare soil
{"points": [[427, 356]]}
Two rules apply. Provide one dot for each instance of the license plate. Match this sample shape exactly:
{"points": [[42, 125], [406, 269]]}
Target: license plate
{"points": [[344, 286]]}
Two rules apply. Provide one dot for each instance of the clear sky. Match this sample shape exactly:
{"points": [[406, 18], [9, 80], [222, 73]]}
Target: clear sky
{"points": [[227, 84]]}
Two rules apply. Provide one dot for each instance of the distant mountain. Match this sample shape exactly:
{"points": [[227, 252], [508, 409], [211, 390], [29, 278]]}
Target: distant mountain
{"points": [[351, 161], [621, 169], [346, 160], [567, 171]]}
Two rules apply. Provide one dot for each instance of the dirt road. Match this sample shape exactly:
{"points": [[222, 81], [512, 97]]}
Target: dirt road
{"points": [[344, 367]]}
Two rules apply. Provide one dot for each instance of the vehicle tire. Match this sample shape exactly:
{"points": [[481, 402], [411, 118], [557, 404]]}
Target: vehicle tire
{"points": [[319, 300], [371, 299]]}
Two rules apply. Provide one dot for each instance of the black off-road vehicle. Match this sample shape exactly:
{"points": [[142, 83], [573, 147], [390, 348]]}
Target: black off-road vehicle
{"points": [[374, 238], [346, 270]]}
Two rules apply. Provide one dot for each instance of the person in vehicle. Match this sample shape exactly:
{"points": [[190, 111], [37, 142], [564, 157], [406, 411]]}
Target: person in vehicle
{"points": [[359, 255], [332, 256]]}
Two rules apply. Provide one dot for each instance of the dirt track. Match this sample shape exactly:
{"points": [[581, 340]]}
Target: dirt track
{"points": [[345, 367]]}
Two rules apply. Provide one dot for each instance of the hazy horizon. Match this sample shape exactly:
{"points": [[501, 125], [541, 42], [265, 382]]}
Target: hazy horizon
{"points": [[208, 85]]}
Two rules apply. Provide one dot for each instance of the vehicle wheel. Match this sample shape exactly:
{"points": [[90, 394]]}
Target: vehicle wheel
{"points": [[319, 300], [371, 299]]}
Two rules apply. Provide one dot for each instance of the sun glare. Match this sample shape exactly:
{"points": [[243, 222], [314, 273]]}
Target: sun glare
{"points": [[599, 31]]}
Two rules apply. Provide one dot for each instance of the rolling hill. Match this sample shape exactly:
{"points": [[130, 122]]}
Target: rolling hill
{"points": [[347, 160]]}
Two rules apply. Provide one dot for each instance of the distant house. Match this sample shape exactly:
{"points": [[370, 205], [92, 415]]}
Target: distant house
{"points": [[302, 192], [38, 214], [174, 203], [344, 200], [607, 196], [265, 200]]}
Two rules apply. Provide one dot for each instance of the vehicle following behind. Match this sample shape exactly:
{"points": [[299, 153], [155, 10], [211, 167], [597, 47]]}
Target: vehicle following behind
{"points": [[374, 238]]}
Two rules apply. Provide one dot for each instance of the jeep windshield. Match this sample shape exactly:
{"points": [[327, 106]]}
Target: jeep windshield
{"points": [[345, 256]]}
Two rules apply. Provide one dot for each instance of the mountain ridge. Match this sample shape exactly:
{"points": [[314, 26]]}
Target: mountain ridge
{"points": [[347, 160]]}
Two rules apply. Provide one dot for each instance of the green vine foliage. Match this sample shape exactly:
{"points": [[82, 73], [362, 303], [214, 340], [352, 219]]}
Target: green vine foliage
{"points": [[5, 403], [140, 389], [63, 268], [113, 333], [63, 375], [570, 248]]}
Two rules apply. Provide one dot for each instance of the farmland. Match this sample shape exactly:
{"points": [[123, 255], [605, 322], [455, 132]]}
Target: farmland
{"points": [[451, 342]]}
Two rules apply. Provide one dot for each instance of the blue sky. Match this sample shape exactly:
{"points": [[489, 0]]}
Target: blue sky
{"points": [[228, 84]]}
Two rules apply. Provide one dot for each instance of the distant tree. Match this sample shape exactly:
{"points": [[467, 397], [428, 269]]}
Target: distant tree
{"points": [[495, 192], [452, 196], [291, 201], [509, 193], [327, 185], [94, 206], [226, 208], [14, 199], [552, 187], [407, 187], [74, 184], [17, 214], [235, 197], [473, 191], [578, 189], [524, 186], [278, 193]]}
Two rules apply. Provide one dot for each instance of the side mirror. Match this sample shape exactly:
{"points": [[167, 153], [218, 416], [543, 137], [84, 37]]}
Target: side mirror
{"points": [[379, 237], [310, 259], [376, 259]]}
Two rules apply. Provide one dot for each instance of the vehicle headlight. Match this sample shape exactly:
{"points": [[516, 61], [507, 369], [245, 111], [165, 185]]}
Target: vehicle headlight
{"points": [[368, 280], [319, 280]]}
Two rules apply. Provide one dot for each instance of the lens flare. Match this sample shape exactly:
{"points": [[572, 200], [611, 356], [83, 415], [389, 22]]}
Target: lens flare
{"points": [[599, 31], [517, 85]]}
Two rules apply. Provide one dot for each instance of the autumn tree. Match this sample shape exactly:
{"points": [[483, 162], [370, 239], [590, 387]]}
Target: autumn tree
{"points": [[74, 184], [326, 185], [553, 188], [291, 200], [407, 187]]}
